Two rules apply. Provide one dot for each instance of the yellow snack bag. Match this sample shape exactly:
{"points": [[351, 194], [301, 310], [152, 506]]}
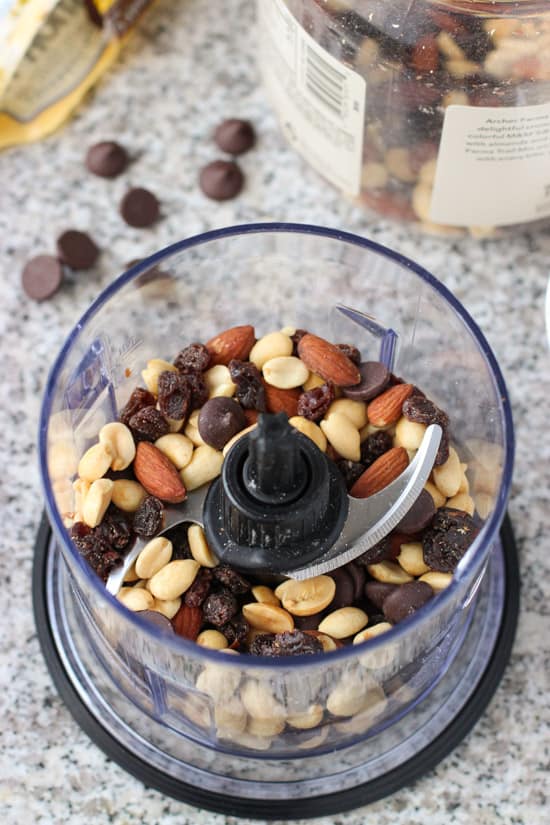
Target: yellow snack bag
{"points": [[51, 53]]}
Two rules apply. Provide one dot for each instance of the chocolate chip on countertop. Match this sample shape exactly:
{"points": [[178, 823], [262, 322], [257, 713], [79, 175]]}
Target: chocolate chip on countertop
{"points": [[235, 136], [76, 249], [106, 159], [405, 600], [374, 377], [221, 180], [419, 516], [139, 207], [42, 277]]}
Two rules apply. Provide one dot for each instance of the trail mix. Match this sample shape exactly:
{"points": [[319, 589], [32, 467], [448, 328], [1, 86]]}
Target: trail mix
{"points": [[417, 59], [171, 438]]}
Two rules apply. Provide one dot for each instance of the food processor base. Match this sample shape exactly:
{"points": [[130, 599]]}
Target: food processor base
{"points": [[374, 768]]}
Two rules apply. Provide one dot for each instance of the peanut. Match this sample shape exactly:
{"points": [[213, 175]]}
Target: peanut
{"points": [[177, 447], [151, 375], [313, 381], [411, 558], [371, 632], [118, 438], [374, 176], [388, 571], [268, 618], [285, 372], [168, 607], [342, 435], [265, 595], [350, 696], [438, 498], [437, 581], [62, 459], [408, 434], [173, 579], [135, 598], [265, 727], [127, 495], [398, 164], [230, 717], [310, 429], [449, 47], [198, 545], [273, 345], [218, 382], [260, 702], [131, 575], [484, 504], [309, 718], [344, 622], [154, 556], [212, 639], [448, 477], [96, 502], [356, 411], [205, 465], [462, 501], [192, 429], [464, 484], [305, 598], [95, 462]]}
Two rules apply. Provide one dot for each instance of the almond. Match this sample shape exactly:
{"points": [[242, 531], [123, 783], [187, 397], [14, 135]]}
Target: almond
{"points": [[235, 342], [382, 472], [187, 622], [278, 400], [157, 474], [328, 361], [251, 416], [386, 408]]}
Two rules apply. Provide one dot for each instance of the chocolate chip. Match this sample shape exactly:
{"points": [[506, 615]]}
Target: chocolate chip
{"points": [[374, 377], [359, 576], [76, 249], [221, 180], [42, 277], [139, 207], [378, 592], [419, 516], [106, 159], [235, 136], [405, 600], [343, 595], [157, 620], [219, 420]]}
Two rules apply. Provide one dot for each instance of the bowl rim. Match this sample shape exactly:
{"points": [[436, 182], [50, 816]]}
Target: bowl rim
{"points": [[178, 644]]}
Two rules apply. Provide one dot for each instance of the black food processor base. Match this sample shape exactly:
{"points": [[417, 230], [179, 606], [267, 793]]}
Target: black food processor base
{"points": [[415, 744]]}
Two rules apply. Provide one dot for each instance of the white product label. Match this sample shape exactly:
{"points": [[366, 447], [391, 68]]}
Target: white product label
{"points": [[319, 101], [493, 166]]}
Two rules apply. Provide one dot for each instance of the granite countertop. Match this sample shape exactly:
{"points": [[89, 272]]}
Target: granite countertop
{"points": [[187, 68]]}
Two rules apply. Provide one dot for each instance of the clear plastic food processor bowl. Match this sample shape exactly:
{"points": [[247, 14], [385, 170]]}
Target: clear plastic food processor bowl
{"points": [[161, 691]]}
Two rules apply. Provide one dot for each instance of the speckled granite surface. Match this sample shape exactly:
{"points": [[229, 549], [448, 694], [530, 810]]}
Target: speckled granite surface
{"points": [[187, 68]]}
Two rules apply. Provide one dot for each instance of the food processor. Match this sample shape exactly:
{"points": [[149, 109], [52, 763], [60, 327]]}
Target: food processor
{"points": [[331, 731]]}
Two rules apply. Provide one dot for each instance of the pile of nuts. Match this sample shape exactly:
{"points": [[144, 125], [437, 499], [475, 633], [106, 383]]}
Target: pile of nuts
{"points": [[172, 437]]}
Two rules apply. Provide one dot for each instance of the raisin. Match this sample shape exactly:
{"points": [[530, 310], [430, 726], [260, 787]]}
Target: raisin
{"points": [[149, 517], [139, 399], [351, 470], [174, 395], [148, 424], [115, 529], [296, 338], [199, 590], [94, 549], [230, 579], [374, 446], [236, 630], [448, 538], [381, 551], [219, 608], [194, 358], [198, 388], [250, 389], [289, 643], [350, 352], [314, 403], [420, 409]]}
